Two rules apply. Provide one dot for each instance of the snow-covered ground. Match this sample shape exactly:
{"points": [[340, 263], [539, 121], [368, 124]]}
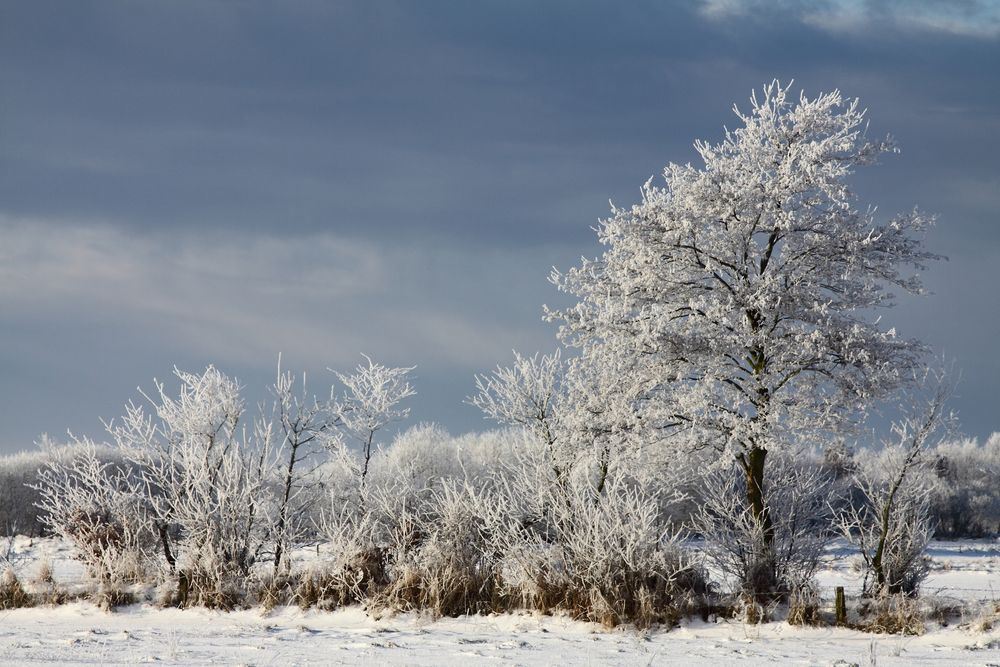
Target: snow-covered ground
{"points": [[81, 634]]}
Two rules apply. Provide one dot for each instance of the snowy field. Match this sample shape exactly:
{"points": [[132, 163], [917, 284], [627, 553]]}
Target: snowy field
{"points": [[81, 634]]}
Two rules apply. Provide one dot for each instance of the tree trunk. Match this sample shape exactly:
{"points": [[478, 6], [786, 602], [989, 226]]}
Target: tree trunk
{"points": [[161, 528], [761, 582], [754, 469], [279, 546]]}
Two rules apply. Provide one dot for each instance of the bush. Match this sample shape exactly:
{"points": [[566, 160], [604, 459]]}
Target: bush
{"points": [[99, 508], [605, 555], [798, 499], [19, 496], [897, 614], [504, 536]]}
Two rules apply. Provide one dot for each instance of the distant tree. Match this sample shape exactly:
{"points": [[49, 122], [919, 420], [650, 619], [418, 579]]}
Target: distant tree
{"points": [[733, 307], [966, 499]]}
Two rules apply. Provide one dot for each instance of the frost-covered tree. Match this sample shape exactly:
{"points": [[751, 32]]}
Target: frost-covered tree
{"points": [[966, 499], [370, 402], [206, 479], [529, 394], [893, 524], [735, 303], [305, 427]]}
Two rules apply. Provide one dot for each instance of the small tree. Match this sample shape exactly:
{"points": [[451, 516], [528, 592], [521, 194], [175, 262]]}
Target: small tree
{"points": [[370, 403], [306, 427], [893, 524], [732, 307], [530, 394]]}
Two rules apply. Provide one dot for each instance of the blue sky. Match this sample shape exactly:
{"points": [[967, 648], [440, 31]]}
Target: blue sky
{"points": [[196, 182]]}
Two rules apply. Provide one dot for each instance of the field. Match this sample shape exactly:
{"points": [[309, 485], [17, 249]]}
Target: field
{"points": [[965, 575]]}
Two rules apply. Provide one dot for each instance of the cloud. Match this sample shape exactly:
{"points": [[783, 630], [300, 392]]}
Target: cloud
{"points": [[968, 18], [240, 298]]}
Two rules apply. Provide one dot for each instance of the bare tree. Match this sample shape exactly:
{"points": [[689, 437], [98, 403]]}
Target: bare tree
{"points": [[307, 427]]}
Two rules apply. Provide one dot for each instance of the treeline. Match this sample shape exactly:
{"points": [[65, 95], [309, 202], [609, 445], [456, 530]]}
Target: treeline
{"points": [[965, 501]]}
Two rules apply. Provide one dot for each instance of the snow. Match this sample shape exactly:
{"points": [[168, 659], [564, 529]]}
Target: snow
{"points": [[81, 634]]}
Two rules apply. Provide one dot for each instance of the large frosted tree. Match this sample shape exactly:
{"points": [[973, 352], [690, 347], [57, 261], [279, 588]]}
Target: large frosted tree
{"points": [[742, 295]]}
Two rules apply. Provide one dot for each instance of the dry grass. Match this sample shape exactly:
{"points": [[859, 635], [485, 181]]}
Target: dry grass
{"points": [[893, 614], [44, 588], [12, 593], [804, 607], [985, 617]]}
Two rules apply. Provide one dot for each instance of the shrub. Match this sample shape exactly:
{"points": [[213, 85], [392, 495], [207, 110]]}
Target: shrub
{"points": [[99, 507], [12, 594], [798, 501], [897, 614]]}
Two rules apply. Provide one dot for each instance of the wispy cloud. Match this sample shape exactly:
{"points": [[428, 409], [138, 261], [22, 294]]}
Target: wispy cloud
{"points": [[243, 298], [969, 18]]}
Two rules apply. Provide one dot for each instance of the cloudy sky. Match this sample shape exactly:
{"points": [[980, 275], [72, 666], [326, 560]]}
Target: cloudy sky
{"points": [[198, 181]]}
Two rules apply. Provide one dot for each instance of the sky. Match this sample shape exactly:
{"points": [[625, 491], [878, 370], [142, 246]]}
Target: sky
{"points": [[198, 181]]}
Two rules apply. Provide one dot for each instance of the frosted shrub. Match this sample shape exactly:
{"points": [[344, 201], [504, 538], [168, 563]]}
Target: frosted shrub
{"points": [[19, 494], [799, 509], [418, 459], [486, 523], [606, 556], [893, 525], [439, 555], [100, 508], [412, 537], [353, 568], [412, 540], [206, 482]]}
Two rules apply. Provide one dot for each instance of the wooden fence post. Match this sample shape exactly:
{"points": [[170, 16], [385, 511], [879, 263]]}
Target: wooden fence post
{"points": [[841, 607]]}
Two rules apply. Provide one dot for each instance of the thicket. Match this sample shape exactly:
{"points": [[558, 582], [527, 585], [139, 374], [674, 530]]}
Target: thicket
{"points": [[482, 523]]}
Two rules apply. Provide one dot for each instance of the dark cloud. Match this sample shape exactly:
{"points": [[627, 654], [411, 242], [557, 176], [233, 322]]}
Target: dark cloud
{"points": [[214, 181]]}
